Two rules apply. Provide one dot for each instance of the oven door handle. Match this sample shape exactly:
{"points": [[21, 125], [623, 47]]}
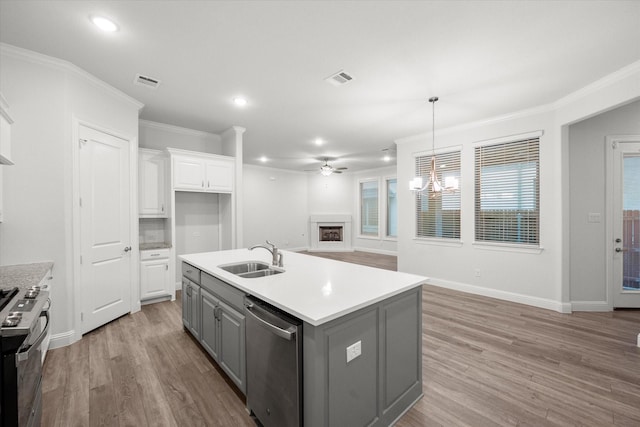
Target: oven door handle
{"points": [[24, 353]]}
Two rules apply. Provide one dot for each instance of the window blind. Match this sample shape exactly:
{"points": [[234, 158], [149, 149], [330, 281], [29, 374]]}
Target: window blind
{"points": [[439, 216], [507, 192]]}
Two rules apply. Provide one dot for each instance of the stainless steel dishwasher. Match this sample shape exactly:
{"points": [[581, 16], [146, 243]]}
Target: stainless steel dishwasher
{"points": [[274, 365]]}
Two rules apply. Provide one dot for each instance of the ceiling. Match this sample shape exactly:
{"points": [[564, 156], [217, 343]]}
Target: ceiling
{"points": [[482, 58]]}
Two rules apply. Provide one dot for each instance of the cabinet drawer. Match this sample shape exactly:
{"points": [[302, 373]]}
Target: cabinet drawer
{"points": [[154, 254], [191, 273], [225, 291]]}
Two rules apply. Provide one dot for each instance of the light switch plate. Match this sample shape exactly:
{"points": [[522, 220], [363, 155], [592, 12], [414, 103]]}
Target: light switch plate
{"points": [[354, 350]]}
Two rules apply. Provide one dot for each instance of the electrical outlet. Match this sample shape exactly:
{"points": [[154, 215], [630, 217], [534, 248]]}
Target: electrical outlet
{"points": [[354, 350], [477, 272]]}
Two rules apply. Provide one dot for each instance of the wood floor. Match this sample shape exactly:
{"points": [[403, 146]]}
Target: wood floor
{"points": [[485, 362]]}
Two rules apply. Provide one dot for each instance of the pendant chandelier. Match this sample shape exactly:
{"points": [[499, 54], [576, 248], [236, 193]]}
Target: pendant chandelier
{"points": [[433, 183]]}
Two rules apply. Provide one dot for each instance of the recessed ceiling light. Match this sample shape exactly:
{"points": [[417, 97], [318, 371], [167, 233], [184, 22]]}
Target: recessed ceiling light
{"points": [[386, 158], [104, 24], [240, 101], [319, 141], [263, 159]]}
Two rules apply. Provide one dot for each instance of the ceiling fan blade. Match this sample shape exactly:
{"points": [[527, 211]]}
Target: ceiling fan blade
{"points": [[336, 171], [340, 169]]}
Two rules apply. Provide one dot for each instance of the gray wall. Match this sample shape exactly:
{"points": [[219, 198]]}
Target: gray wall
{"points": [[587, 176]]}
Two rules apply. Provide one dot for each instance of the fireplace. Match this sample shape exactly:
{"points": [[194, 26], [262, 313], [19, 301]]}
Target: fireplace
{"points": [[330, 232]]}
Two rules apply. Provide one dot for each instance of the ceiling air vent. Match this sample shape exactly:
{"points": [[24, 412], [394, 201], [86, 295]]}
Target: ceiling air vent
{"points": [[339, 78], [147, 81]]}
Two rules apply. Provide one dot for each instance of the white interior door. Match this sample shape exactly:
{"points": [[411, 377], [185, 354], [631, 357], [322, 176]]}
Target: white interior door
{"points": [[104, 227], [626, 221]]}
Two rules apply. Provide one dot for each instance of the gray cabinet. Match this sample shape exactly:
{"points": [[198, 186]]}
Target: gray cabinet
{"points": [[232, 358], [191, 317], [191, 306], [209, 339], [223, 327], [212, 311], [364, 368]]}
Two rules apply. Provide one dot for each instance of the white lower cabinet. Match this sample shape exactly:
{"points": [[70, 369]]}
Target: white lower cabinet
{"points": [[155, 280]]}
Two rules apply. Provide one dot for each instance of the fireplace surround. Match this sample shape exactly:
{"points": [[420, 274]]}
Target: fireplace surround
{"points": [[330, 232]]}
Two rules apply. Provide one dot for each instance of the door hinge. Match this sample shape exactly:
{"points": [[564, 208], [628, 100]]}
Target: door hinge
{"points": [[80, 201], [81, 317], [166, 267], [80, 259]]}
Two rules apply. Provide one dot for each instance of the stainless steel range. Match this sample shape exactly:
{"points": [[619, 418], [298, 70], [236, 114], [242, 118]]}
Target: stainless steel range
{"points": [[21, 334]]}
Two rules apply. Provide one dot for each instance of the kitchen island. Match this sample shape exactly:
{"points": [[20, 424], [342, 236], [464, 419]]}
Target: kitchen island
{"points": [[368, 316]]}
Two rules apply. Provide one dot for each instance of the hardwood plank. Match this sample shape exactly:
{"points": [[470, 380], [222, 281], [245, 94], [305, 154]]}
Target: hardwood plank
{"points": [[485, 362]]}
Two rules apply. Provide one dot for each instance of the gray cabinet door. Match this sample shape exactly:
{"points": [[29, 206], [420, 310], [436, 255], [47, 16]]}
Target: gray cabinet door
{"points": [[186, 306], [194, 309], [210, 306], [231, 355]]}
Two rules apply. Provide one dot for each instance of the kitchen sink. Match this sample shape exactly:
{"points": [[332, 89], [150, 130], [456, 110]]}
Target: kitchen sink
{"points": [[260, 273], [250, 269]]}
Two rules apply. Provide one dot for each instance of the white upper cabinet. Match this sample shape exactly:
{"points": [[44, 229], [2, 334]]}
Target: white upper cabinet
{"points": [[152, 184], [219, 175], [188, 173], [202, 172]]}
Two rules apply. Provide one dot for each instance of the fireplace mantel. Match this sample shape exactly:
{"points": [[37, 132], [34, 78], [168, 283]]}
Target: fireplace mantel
{"points": [[330, 220]]}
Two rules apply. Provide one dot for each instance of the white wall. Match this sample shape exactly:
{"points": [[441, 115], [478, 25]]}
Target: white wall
{"points": [[587, 179], [503, 271], [197, 224], [539, 278], [44, 95], [160, 136], [275, 207]]}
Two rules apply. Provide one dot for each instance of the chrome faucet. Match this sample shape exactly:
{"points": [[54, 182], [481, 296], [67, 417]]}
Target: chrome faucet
{"points": [[277, 256]]}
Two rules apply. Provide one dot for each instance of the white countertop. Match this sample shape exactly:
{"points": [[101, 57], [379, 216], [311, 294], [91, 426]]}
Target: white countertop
{"points": [[313, 289]]}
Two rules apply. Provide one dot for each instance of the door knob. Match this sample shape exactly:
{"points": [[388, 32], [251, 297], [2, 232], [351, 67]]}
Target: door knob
{"points": [[127, 249], [618, 240], [620, 250]]}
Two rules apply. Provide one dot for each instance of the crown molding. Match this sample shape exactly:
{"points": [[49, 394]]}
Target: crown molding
{"points": [[608, 80], [542, 109], [66, 66], [175, 129]]}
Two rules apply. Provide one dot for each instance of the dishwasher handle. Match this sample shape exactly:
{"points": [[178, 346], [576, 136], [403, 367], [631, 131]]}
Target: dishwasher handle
{"points": [[255, 312]]}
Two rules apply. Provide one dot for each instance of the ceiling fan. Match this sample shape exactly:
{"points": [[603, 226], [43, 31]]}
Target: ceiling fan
{"points": [[327, 169]]}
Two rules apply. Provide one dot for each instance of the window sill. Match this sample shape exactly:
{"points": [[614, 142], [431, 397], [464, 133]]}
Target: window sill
{"points": [[364, 236], [390, 239], [506, 247], [438, 242]]}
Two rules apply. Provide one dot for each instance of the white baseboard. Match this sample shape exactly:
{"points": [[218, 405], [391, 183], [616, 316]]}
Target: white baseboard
{"points": [[375, 251], [63, 339], [590, 306], [638, 340], [545, 303]]}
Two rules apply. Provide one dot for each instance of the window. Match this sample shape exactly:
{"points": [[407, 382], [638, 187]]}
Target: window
{"points": [[507, 196], [438, 214], [392, 207], [369, 208]]}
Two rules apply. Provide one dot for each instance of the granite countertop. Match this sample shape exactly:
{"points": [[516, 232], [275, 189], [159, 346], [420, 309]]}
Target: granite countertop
{"points": [[154, 245], [313, 289], [23, 275]]}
